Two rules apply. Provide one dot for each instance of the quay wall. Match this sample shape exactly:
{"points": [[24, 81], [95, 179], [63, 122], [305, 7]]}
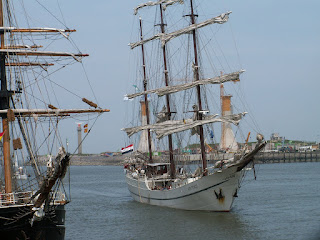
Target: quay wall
{"points": [[94, 160], [262, 158], [287, 157]]}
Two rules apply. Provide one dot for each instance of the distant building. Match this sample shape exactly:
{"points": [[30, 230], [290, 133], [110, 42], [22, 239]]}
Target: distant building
{"points": [[276, 137]]}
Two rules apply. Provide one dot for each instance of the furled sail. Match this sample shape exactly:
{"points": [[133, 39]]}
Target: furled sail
{"points": [[168, 36], [173, 126], [18, 52], [63, 32], [162, 115], [164, 3], [172, 89]]}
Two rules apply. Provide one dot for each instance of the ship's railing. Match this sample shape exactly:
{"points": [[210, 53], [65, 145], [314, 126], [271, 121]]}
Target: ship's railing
{"points": [[59, 198], [24, 198], [19, 198]]}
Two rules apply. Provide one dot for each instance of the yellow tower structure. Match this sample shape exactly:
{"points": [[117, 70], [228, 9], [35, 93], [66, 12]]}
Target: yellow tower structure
{"points": [[227, 142]]}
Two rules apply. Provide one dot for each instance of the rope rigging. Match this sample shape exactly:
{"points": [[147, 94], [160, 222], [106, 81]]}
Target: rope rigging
{"points": [[30, 77]]}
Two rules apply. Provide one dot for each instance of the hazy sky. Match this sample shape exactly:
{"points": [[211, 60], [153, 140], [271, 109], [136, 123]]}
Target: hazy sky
{"points": [[278, 44]]}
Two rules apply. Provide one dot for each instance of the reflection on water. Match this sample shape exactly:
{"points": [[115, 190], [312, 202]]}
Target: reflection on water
{"points": [[281, 204]]}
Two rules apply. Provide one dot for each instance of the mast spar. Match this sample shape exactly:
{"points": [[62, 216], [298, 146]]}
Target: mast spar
{"points": [[145, 83], [166, 77], [4, 104], [197, 78], [32, 206], [8, 50]]}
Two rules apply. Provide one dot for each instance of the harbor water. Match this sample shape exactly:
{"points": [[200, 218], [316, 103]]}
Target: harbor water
{"points": [[283, 204]]}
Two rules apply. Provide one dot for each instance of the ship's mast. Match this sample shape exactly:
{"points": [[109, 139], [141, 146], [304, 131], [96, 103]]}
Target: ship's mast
{"points": [[197, 78], [166, 77], [221, 102], [4, 104], [168, 113], [145, 83]]}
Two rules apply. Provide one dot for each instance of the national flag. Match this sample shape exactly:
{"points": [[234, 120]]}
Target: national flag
{"points": [[1, 135], [127, 149]]}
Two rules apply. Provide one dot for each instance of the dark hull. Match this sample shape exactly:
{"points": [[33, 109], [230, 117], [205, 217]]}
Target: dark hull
{"points": [[15, 224]]}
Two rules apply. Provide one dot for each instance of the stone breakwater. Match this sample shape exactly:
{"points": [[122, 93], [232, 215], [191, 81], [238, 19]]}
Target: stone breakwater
{"points": [[263, 157], [96, 160]]}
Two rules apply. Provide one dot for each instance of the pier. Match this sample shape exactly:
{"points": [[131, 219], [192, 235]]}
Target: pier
{"points": [[287, 157], [260, 158]]}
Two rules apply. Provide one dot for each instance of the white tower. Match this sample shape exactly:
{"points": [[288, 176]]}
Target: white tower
{"points": [[228, 141]]}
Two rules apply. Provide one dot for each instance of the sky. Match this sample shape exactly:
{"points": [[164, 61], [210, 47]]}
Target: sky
{"points": [[278, 46]]}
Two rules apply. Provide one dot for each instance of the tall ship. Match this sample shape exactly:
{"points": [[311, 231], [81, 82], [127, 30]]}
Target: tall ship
{"points": [[177, 102], [39, 101]]}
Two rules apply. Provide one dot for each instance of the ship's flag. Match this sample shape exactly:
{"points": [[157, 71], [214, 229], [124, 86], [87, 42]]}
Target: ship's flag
{"points": [[127, 149], [1, 135]]}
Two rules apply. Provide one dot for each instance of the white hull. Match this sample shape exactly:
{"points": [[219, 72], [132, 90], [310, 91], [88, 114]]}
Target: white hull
{"points": [[215, 192]]}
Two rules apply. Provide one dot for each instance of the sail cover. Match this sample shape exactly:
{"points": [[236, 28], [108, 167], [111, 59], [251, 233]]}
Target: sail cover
{"points": [[173, 126], [164, 3], [172, 89], [165, 37]]}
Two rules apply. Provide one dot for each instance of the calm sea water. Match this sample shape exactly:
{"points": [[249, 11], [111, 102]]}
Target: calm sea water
{"points": [[283, 203]]}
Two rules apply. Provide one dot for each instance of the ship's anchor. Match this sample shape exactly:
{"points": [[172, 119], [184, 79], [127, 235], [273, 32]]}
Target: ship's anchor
{"points": [[219, 195]]}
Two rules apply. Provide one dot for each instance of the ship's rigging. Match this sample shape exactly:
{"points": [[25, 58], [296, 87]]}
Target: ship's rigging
{"points": [[37, 98], [184, 112]]}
